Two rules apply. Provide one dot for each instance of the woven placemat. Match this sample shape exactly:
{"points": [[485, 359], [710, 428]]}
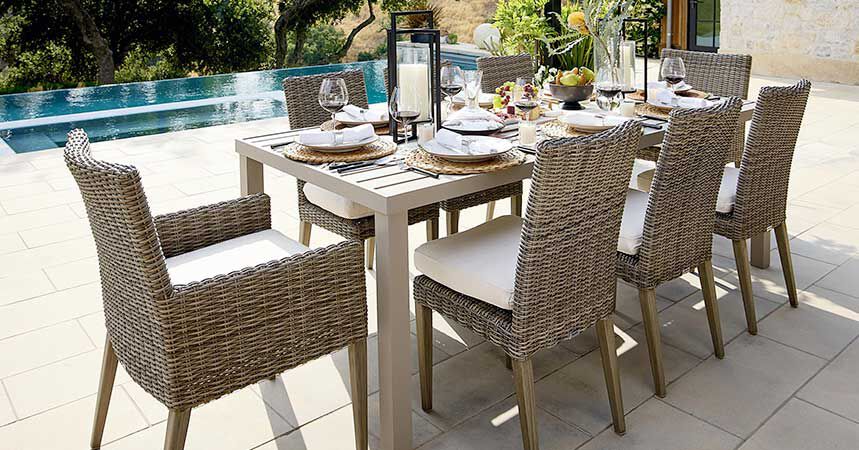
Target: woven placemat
{"points": [[556, 129], [332, 125], [378, 149], [423, 160], [639, 94], [650, 110]]}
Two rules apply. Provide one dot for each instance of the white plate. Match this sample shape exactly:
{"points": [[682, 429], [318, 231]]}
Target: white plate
{"points": [[682, 87], [473, 126], [500, 146], [591, 122], [349, 121], [683, 102], [484, 99], [342, 148]]}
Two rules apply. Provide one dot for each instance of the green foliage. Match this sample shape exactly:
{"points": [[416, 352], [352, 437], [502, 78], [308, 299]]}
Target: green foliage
{"points": [[49, 64], [652, 11], [521, 24], [452, 38], [323, 41], [142, 65], [378, 53]]}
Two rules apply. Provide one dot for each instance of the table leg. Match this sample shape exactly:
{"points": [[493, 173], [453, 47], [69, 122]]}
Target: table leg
{"points": [[392, 298], [761, 250], [251, 175]]}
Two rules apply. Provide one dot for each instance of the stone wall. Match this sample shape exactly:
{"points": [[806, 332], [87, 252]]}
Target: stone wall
{"points": [[815, 39]]}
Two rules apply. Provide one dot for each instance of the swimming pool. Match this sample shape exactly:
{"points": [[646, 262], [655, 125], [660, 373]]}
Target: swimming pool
{"points": [[40, 120]]}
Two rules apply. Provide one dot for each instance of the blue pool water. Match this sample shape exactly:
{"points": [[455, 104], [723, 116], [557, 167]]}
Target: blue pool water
{"points": [[40, 120]]}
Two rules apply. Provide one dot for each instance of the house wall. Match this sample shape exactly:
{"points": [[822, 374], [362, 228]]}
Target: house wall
{"points": [[815, 39]]}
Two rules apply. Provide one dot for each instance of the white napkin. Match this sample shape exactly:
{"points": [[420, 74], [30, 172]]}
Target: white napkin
{"points": [[474, 114], [691, 102], [350, 135], [467, 145], [365, 115], [664, 97]]}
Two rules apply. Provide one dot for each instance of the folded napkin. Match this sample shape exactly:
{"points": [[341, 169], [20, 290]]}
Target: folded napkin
{"points": [[468, 145], [669, 98], [365, 115], [474, 114], [345, 136], [664, 96]]}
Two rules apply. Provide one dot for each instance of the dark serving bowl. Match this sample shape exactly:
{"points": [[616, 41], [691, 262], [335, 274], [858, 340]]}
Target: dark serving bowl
{"points": [[570, 96]]}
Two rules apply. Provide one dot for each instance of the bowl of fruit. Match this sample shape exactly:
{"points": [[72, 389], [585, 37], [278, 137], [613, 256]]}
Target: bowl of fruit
{"points": [[572, 86]]}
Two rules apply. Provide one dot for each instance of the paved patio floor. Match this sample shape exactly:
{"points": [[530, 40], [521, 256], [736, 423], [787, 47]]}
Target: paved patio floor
{"points": [[794, 386]]}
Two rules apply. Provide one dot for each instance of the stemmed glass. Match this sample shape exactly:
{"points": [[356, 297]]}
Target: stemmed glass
{"points": [[673, 71], [473, 82], [402, 112], [333, 95], [452, 83]]}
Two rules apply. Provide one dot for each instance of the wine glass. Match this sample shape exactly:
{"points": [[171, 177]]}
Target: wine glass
{"points": [[452, 83], [402, 112], [333, 95], [473, 82], [526, 102], [673, 71]]}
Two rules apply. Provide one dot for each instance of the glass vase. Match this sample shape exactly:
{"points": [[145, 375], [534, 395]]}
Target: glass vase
{"points": [[609, 76]]}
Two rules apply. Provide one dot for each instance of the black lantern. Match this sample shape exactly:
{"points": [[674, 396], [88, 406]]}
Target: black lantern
{"points": [[416, 63]]}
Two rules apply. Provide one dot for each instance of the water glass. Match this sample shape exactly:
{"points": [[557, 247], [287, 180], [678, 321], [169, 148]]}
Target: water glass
{"points": [[333, 95], [473, 83]]}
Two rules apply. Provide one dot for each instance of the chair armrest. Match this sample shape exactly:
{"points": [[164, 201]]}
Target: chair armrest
{"points": [[184, 231], [233, 330]]}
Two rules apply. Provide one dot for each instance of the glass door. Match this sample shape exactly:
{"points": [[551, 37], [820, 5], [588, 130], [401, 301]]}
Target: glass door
{"points": [[704, 25]]}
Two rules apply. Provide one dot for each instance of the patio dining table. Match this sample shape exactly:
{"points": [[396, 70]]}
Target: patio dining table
{"points": [[390, 192]]}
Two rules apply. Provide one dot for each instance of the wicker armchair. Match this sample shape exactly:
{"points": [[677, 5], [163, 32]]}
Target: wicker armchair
{"points": [[550, 276], [188, 333], [756, 193], [304, 111], [670, 230], [721, 74], [498, 70]]}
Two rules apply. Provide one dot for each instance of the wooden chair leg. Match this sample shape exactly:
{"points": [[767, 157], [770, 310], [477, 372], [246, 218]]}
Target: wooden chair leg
{"points": [[608, 351], [783, 242], [432, 229], [423, 322], [452, 219], [744, 273], [177, 429], [516, 205], [708, 286], [358, 379], [523, 374], [304, 232], [105, 389], [369, 252], [647, 298], [490, 211]]}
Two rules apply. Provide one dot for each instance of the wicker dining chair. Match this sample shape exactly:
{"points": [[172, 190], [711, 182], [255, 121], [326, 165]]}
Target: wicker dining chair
{"points": [[753, 198], [668, 231], [721, 74], [203, 302], [529, 284], [304, 111], [498, 70]]}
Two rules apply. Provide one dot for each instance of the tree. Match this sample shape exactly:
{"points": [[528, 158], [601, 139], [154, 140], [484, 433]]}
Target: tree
{"points": [[92, 38], [298, 16]]}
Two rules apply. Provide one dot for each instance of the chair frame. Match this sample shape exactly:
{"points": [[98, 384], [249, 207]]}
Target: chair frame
{"points": [[679, 219], [761, 198], [188, 344], [565, 281]]}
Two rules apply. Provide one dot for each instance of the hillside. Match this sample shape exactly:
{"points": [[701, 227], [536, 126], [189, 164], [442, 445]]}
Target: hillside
{"points": [[459, 17]]}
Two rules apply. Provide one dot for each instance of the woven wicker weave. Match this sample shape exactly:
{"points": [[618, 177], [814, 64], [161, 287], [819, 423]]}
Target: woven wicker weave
{"points": [[190, 344], [765, 168], [679, 221], [302, 105], [424, 160], [565, 278], [498, 70]]}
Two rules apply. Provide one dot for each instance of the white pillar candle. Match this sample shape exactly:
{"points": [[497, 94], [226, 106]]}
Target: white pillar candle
{"points": [[426, 132], [627, 64], [627, 108], [414, 88], [527, 133]]}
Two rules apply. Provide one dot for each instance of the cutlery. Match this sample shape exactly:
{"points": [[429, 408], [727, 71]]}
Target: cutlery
{"points": [[647, 116], [527, 150], [387, 161]]}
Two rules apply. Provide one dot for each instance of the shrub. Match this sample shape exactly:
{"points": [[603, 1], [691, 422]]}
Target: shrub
{"points": [[378, 53], [652, 11], [142, 65], [323, 41], [452, 38], [50, 64]]}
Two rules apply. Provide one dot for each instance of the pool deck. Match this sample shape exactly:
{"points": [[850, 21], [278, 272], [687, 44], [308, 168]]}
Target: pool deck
{"points": [[791, 387]]}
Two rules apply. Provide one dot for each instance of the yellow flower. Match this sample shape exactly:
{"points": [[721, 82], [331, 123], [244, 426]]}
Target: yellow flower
{"points": [[576, 21]]}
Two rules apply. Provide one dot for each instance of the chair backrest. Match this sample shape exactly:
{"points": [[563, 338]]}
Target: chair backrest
{"points": [[765, 167], [498, 70], [721, 74], [679, 221], [133, 271], [302, 96], [565, 275]]}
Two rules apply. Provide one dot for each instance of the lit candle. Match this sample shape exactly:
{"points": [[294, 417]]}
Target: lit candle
{"points": [[414, 87], [627, 64], [527, 133]]}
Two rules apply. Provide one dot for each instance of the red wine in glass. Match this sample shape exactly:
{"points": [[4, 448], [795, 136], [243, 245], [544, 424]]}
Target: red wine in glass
{"points": [[674, 80], [452, 89]]}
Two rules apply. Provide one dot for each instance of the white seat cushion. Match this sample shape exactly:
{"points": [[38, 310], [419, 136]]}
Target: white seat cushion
{"points": [[479, 262], [632, 224], [728, 190], [639, 167], [334, 203], [234, 254]]}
